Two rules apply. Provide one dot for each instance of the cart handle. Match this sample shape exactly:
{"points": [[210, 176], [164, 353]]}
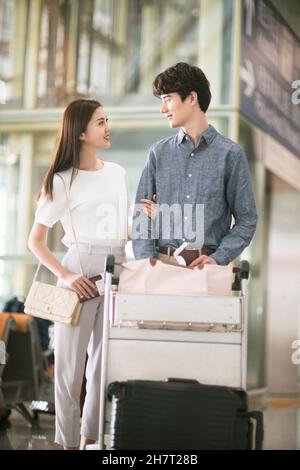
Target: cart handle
{"points": [[109, 264], [240, 273], [245, 269]]}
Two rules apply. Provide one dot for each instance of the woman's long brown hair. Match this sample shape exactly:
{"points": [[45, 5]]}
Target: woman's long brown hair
{"points": [[76, 117]]}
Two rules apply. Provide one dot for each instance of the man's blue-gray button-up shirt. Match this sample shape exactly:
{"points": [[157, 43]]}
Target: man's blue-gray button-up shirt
{"points": [[214, 174]]}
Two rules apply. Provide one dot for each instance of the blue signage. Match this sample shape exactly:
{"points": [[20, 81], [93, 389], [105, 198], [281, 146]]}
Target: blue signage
{"points": [[269, 73]]}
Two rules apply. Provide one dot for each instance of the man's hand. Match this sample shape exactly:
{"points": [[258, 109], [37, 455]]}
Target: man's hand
{"points": [[201, 261], [149, 207]]}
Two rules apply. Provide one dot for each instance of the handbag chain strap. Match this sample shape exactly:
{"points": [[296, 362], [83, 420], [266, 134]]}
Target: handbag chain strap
{"points": [[73, 231]]}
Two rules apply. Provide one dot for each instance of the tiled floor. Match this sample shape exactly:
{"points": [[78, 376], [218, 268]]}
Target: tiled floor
{"points": [[282, 424], [19, 435], [281, 419]]}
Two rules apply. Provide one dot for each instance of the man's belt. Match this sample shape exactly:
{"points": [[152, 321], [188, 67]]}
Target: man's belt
{"points": [[169, 250]]}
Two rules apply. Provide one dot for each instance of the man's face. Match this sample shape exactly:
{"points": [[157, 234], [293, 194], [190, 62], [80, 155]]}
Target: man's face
{"points": [[176, 111]]}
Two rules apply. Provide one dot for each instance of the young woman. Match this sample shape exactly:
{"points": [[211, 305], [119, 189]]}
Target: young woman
{"points": [[98, 200]]}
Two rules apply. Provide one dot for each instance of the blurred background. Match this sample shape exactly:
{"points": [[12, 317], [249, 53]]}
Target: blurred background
{"points": [[53, 51]]}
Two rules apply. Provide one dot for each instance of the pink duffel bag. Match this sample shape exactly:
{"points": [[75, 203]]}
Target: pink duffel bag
{"points": [[149, 276]]}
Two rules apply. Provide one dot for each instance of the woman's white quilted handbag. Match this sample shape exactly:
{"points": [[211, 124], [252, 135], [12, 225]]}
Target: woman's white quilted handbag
{"points": [[53, 303]]}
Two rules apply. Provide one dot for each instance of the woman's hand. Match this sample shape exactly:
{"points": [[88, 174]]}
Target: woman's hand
{"points": [[80, 284], [149, 207]]}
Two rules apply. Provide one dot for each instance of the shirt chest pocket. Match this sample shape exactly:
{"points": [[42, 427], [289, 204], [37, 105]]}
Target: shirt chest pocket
{"points": [[211, 186]]}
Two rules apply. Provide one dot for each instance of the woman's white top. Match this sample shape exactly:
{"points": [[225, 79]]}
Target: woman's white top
{"points": [[99, 203]]}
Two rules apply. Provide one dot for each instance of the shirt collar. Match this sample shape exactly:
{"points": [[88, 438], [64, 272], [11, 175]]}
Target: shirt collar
{"points": [[207, 136], [181, 136]]}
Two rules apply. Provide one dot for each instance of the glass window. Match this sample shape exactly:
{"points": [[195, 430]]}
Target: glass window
{"points": [[124, 44], [112, 49], [12, 39], [159, 34], [216, 48], [9, 172], [9, 165], [52, 56], [84, 46], [96, 47]]}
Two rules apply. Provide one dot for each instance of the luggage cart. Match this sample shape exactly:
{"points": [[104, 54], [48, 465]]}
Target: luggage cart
{"points": [[154, 337]]}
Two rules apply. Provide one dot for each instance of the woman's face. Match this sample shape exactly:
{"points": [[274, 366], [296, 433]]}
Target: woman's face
{"points": [[97, 133]]}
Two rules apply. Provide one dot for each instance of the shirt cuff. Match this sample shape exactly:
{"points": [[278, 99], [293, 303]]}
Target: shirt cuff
{"points": [[220, 258]]}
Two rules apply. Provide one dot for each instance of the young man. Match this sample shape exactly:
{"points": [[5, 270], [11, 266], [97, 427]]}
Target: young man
{"points": [[197, 167]]}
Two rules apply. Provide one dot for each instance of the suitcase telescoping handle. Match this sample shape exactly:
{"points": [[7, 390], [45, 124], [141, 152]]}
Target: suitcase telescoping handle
{"points": [[109, 270], [259, 431], [184, 381]]}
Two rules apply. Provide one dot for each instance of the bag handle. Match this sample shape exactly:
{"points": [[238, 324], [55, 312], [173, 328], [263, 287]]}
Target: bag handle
{"points": [[73, 231]]}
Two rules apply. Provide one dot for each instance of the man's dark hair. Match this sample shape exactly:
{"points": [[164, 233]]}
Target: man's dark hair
{"points": [[183, 78]]}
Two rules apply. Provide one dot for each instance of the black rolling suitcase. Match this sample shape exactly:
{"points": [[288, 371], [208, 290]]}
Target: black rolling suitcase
{"points": [[181, 414]]}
